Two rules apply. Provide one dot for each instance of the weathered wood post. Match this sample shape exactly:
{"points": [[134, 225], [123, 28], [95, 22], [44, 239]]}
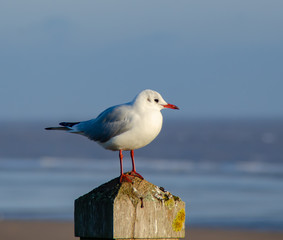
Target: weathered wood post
{"points": [[128, 211]]}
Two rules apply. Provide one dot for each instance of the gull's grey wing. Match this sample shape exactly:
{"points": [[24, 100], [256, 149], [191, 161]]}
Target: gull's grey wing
{"points": [[110, 123]]}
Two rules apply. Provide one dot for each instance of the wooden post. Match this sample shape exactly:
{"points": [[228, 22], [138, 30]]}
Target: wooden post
{"points": [[128, 211]]}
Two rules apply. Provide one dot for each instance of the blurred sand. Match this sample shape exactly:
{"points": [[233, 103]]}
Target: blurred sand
{"points": [[35, 230]]}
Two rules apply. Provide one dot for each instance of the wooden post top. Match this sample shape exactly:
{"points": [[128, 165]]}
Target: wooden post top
{"points": [[129, 211]]}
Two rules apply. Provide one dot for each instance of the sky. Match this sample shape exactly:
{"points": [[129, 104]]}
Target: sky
{"points": [[69, 60]]}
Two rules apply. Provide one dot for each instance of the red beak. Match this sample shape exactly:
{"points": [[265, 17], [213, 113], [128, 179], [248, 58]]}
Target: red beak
{"points": [[168, 105]]}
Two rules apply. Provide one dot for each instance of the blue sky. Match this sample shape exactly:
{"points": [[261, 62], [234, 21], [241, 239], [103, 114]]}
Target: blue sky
{"points": [[69, 60]]}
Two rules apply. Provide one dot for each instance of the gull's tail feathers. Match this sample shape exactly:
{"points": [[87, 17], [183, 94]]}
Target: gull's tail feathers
{"points": [[57, 128], [66, 126]]}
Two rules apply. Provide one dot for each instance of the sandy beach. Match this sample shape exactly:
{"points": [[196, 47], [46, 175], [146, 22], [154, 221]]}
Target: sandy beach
{"points": [[44, 230]]}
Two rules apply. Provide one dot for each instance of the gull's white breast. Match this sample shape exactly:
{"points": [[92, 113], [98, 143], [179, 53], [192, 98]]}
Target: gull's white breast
{"points": [[145, 128]]}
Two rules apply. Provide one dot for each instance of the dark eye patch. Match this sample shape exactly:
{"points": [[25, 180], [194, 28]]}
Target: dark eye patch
{"points": [[156, 100]]}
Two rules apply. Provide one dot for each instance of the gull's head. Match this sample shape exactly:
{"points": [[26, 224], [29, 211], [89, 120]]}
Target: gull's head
{"points": [[152, 100]]}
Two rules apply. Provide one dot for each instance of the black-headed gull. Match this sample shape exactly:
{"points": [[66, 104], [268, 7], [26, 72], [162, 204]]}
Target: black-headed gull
{"points": [[124, 127]]}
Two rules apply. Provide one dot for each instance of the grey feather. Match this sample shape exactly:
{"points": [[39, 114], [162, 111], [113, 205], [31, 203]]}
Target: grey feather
{"points": [[110, 123]]}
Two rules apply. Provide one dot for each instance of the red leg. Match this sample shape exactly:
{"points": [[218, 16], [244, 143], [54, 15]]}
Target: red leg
{"points": [[134, 172], [133, 161], [121, 162], [123, 177]]}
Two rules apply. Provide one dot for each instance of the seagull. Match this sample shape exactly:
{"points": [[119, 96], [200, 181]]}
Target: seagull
{"points": [[124, 127]]}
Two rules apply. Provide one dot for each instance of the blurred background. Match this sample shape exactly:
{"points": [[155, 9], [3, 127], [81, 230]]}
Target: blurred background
{"points": [[219, 61]]}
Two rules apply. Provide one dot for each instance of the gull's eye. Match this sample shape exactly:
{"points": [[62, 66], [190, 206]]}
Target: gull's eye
{"points": [[156, 100]]}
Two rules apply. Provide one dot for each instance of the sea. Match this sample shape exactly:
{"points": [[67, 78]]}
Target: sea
{"points": [[228, 172]]}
